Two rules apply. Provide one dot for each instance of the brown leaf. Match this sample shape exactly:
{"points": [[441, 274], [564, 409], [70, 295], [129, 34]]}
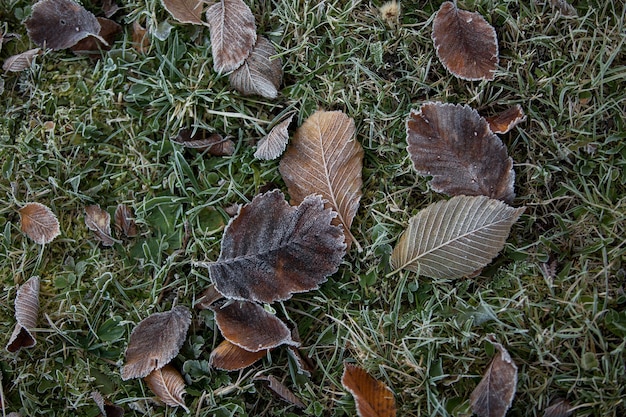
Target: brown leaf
{"points": [[185, 11], [233, 34], [168, 384], [107, 408], [281, 390], [559, 408], [494, 394], [304, 364], [465, 43], [250, 327], [230, 357], [20, 62], [259, 74], [214, 143], [155, 342], [26, 313], [141, 41], [39, 223], [124, 221], [99, 221], [273, 145], [454, 145], [60, 24], [109, 8], [372, 397], [506, 120], [92, 46], [208, 297], [272, 250], [325, 158]]}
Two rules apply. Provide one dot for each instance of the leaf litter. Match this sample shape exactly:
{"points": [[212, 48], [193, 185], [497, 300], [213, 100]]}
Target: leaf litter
{"points": [[39, 223], [168, 384], [373, 398]]}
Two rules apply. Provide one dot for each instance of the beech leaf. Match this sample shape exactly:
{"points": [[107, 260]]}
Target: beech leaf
{"points": [[168, 384], [454, 145], [325, 158], [39, 223], [26, 313], [494, 394], [465, 42], [20, 62], [233, 34], [372, 398], [155, 342], [259, 74], [185, 11], [124, 221], [274, 144], [506, 120], [230, 357], [271, 250], [281, 390], [452, 239], [99, 221]]}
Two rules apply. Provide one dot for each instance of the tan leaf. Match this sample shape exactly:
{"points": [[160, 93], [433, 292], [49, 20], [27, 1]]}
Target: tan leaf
{"points": [[230, 357], [107, 408], [233, 34], [99, 221], [155, 342], [141, 41], [372, 397], [168, 384], [20, 62], [506, 120], [324, 158], [494, 394], [26, 313], [465, 43], [39, 223], [281, 390], [259, 74], [273, 145], [202, 140], [124, 221], [185, 11], [559, 408]]}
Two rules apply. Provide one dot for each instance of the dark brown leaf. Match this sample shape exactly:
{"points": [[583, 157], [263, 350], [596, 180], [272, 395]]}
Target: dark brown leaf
{"points": [[494, 394], [559, 408], [507, 120], [26, 313], [155, 342], [208, 297], [281, 390], [141, 41], [372, 397], [99, 221], [259, 74], [465, 43], [185, 11], [124, 221], [60, 24], [272, 250], [202, 140], [20, 62], [273, 145], [304, 364], [107, 408], [39, 223], [454, 145], [230, 357], [92, 46], [109, 8], [168, 384]]}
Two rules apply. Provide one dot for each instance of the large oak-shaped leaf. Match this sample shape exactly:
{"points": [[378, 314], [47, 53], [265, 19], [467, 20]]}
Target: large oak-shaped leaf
{"points": [[259, 74], [454, 144], [230, 357], [233, 34], [494, 394], [324, 158], [185, 11], [372, 397], [272, 250], [155, 342], [39, 223], [451, 239], [465, 42], [26, 313], [168, 384]]}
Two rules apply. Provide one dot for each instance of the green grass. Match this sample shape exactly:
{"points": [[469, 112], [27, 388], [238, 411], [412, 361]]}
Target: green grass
{"points": [[554, 297]]}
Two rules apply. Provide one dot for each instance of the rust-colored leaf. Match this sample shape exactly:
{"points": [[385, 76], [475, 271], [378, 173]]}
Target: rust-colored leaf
{"points": [[92, 46], [372, 397], [506, 120], [155, 342], [465, 42], [39, 223], [20, 62], [168, 384], [107, 408], [202, 140], [281, 390], [185, 11], [99, 221], [324, 158], [494, 394], [273, 145], [272, 250], [141, 41], [559, 408], [454, 145], [124, 221], [26, 313], [230, 357], [259, 74]]}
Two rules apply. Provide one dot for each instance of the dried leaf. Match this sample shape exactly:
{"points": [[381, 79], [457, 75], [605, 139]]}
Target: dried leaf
{"points": [[20, 62], [124, 221], [230, 357], [563, 6], [454, 145], [559, 408], [304, 364], [259, 74], [109, 8], [250, 327], [214, 143], [272, 250], [506, 120], [324, 158], [99, 221], [494, 394], [273, 145], [155, 342], [451, 239], [233, 34], [281, 390], [26, 313], [107, 408], [208, 297], [372, 397], [465, 42], [60, 24], [92, 46], [39, 223], [141, 41], [168, 384], [185, 11]]}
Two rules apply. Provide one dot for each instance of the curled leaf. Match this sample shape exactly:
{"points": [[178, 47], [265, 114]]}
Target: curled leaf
{"points": [[124, 221], [20, 62], [168, 384], [185, 11], [107, 408], [39, 223], [273, 145], [281, 390], [506, 120], [230, 357], [26, 313], [214, 143], [259, 74], [99, 221], [372, 397]]}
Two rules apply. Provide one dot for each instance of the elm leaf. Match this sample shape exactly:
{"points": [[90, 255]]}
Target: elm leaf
{"points": [[20, 62], [281, 390], [168, 384], [259, 74], [185, 11], [229, 357], [26, 313], [373, 398], [273, 145], [39, 223]]}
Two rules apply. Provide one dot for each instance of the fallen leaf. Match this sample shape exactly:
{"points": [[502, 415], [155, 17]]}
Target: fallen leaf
{"points": [[494, 394], [92, 46], [559, 408], [208, 297], [563, 6], [185, 11], [60, 24], [466, 44], [230, 357], [39, 223], [372, 397], [99, 221], [271, 250], [259, 74], [454, 238], [109, 8], [20, 62], [453, 144], [506, 120], [281, 390], [107, 408], [233, 34], [124, 221], [214, 143], [168, 384], [250, 327], [26, 313], [155, 342], [273, 145], [141, 41], [325, 158], [304, 364]]}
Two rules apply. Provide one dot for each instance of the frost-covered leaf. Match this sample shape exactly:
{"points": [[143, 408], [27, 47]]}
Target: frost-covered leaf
{"points": [[39, 223], [20, 62], [558, 408], [99, 221], [259, 74], [185, 11], [230, 357], [372, 397], [124, 221], [107, 408], [168, 384], [281, 390], [506, 120], [26, 313], [202, 140], [273, 145], [141, 41], [92, 46]]}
